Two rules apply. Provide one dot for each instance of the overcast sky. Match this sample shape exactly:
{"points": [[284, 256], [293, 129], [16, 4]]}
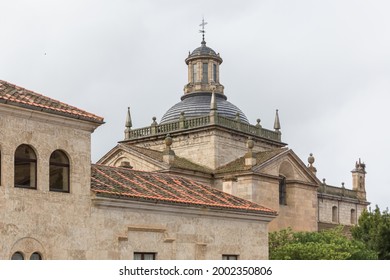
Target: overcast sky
{"points": [[324, 64]]}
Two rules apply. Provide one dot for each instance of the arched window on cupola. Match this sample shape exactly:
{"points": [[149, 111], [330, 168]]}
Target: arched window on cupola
{"points": [[59, 172], [25, 175], [205, 73], [194, 73]]}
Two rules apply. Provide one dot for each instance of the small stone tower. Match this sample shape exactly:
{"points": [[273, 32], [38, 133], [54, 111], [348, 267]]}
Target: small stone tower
{"points": [[359, 179]]}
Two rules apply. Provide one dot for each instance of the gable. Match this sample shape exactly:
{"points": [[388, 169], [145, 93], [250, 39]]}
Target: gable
{"points": [[147, 159], [138, 161], [288, 165]]}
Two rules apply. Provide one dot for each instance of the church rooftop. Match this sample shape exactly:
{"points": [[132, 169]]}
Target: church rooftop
{"points": [[124, 183]]}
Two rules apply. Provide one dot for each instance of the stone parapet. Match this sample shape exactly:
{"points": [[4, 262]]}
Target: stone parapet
{"points": [[181, 125]]}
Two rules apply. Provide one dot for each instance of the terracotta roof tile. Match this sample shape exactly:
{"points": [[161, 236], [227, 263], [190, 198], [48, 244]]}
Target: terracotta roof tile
{"points": [[239, 164], [21, 97], [117, 182]]}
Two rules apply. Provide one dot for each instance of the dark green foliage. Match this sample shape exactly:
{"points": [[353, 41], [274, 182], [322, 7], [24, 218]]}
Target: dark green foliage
{"points": [[373, 229], [324, 245]]}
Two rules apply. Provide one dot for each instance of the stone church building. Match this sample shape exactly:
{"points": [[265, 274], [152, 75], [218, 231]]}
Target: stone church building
{"points": [[202, 183]]}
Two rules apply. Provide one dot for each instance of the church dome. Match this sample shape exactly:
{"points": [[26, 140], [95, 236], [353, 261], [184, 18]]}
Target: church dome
{"points": [[198, 104], [203, 51]]}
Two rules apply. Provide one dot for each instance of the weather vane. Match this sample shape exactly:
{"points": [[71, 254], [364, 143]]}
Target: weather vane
{"points": [[203, 31]]}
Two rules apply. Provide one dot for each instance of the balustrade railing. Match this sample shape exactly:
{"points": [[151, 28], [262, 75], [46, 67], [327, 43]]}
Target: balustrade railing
{"points": [[163, 129]]}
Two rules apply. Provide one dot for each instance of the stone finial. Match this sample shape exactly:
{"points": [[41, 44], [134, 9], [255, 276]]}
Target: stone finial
{"points": [[154, 123], [258, 125], [128, 124], [213, 108], [250, 158], [126, 164], [168, 153], [237, 118], [213, 103], [277, 121], [310, 166], [168, 141], [153, 126], [182, 119]]}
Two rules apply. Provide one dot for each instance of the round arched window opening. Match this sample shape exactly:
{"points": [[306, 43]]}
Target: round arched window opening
{"points": [[17, 256], [59, 172], [36, 256], [25, 175]]}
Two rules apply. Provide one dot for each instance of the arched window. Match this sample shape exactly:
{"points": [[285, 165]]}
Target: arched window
{"points": [[36, 256], [59, 172], [282, 191], [194, 73], [215, 72], [353, 216], [334, 214], [17, 256], [25, 167], [205, 73]]}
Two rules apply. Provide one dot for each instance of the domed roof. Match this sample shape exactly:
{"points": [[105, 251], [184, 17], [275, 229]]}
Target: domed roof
{"points": [[198, 104], [203, 50]]}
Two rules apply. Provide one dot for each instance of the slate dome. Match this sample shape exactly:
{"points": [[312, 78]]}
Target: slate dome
{"points": [[198, 104]]}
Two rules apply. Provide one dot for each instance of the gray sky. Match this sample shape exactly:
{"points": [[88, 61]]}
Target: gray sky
{"points": [[324, 64]]}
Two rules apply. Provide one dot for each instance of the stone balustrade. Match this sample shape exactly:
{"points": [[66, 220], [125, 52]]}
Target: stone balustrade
{"points": [[190, 123]]}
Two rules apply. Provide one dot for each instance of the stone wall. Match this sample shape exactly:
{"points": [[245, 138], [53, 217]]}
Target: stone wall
{"points": [[66, 226], [209, 147], [348, 210], [174, 232], [75, 226]]}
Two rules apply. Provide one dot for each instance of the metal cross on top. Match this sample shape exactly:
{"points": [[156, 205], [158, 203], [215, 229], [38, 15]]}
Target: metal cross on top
{"points": [[202, 31]]}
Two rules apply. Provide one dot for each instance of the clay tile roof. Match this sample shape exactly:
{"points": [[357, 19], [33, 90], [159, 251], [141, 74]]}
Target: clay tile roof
{"points": [[239, 164], [21, 97], [179, 162], [118, 182]]}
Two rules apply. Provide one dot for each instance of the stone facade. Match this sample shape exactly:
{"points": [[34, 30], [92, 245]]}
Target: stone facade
{"points": [[94, 220], [79, 225], [264, 172]]}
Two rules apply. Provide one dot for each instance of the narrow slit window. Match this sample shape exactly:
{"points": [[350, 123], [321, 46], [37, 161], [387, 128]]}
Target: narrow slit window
{"points": [[205, 73], [215, 72], [282, 191], [194, 73], [353, 216], [334, 214]]}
